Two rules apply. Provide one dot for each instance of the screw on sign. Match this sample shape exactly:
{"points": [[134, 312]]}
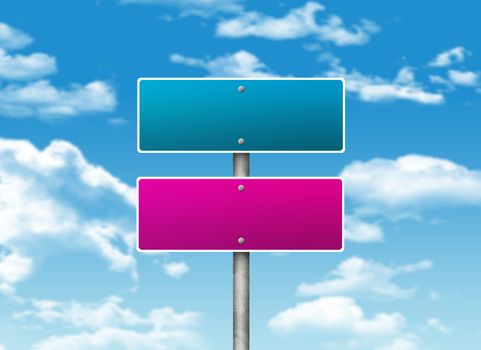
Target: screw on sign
{"points": [[278, 214]]}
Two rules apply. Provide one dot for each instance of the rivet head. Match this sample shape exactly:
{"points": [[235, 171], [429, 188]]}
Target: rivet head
{"points": [[241, 188], [241, 141], [241, 88], [241, 240]]}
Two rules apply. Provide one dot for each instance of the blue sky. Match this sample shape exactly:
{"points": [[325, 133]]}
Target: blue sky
{"points": [[69, 273]]}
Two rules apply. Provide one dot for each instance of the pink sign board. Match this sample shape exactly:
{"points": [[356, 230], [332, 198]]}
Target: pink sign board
{"points": [[240, 214]]}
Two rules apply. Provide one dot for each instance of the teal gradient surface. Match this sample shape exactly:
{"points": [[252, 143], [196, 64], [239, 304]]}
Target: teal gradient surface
{"points": [[212, 115]]}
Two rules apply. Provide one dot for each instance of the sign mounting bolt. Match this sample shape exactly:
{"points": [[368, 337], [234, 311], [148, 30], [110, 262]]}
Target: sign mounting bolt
{"points": [[241, 88], [241, 240], [240, 188], [241, 141]]}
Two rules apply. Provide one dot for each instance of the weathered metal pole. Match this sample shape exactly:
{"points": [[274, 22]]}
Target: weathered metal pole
{"points": [[241, 274]]}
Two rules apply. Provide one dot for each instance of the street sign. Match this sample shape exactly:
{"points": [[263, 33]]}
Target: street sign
{"points": [[240, 214], [240, 115]]}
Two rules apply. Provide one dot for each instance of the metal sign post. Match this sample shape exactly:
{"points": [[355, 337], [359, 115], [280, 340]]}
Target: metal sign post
{"points": [[241, 287]]}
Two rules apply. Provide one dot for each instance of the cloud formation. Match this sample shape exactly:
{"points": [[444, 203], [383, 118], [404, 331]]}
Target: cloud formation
{"points": [[463, 78], [437, 325], [13, 38], [40, 98], [25, 93], [376, 89], [298, 23], [360, 231], [239, 64], [404, 342], [363, 277], [56, 194], [20, 67], [337, 314], [449, 57], [410, 183], [176, 269], [14, 268], [109, 324]]}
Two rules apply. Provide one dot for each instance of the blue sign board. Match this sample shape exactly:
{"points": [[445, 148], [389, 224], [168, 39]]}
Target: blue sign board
{"points": [[240, 115]]}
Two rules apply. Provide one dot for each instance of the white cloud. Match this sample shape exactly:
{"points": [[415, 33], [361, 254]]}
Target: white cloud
{"points": [[20, 67], [377, 89], [298, 23], [358, 276], [357, 230], [447, 58], [14, 268], [405, 76], [101, 234], [336, 313], [239, 64], [12, 38], [176, 269], [2, 347], [41, 98], [82, 315], [438, 80], [194, 7], [464, 78], [401, 343], [56, 194], [437, 325], [109, 325], [410, 183]]}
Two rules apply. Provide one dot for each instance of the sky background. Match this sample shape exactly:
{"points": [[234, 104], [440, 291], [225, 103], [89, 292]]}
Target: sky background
{"points": [[70, 276]]}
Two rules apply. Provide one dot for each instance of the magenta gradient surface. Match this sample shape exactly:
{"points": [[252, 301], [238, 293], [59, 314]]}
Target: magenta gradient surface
{"points": [[212, 214]]}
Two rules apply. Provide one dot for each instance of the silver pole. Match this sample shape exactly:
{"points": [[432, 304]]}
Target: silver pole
{"points": [[241, 274]]}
